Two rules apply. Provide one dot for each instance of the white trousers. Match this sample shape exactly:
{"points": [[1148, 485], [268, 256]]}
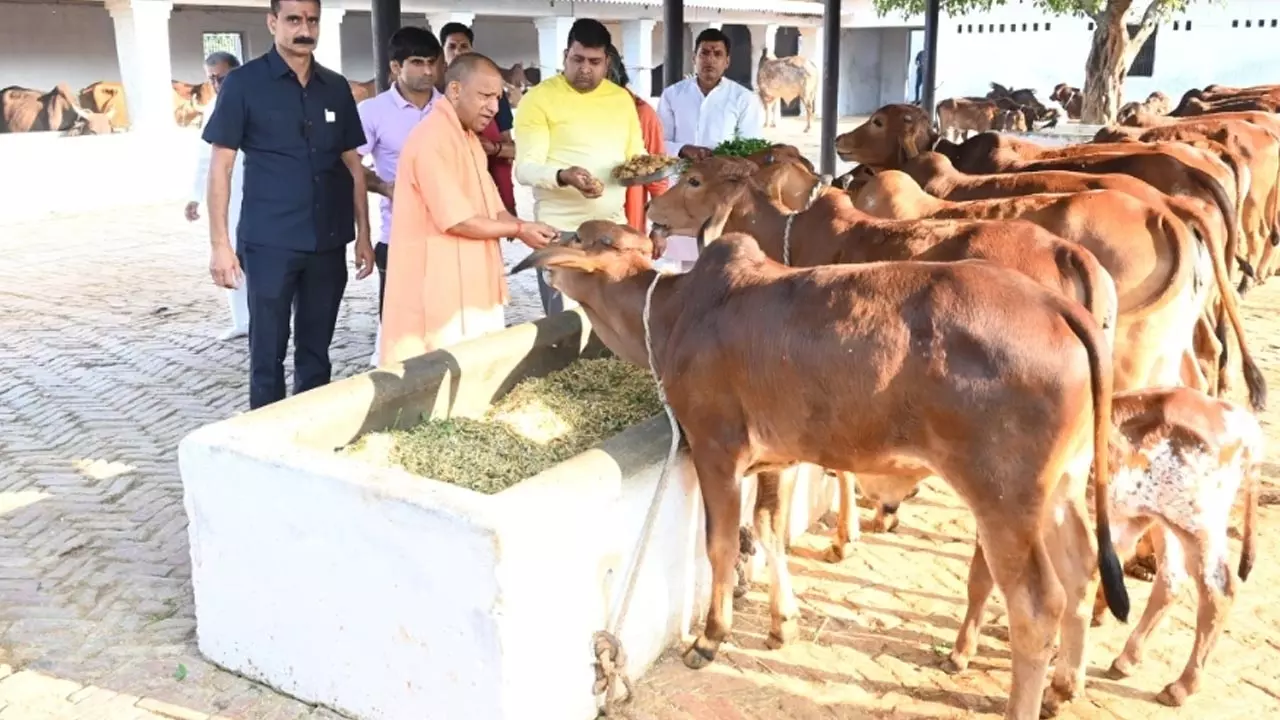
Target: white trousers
{"points": [[237, 298]]}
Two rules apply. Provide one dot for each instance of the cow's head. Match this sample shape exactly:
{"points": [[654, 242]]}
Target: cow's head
{"points": [[889, 138], [1158, 103], [703, 187], [91, 123]]}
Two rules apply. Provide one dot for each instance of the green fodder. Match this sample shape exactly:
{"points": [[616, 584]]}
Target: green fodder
{"points": [[541, 422]]}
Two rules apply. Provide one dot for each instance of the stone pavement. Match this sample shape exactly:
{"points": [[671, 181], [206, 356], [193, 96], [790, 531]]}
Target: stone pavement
{"points": [[107, 359]]}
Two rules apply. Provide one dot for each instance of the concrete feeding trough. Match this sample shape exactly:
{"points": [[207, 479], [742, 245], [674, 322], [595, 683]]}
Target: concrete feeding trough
{"points": [[386, 595]]}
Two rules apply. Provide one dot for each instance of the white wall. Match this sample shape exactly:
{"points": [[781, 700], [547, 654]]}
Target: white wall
{"points": [[43, 45], [1211, 52], [874, 66]]}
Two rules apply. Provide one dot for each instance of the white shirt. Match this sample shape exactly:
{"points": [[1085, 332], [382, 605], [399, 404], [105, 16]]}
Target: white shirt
{"points": [[691, 118]]}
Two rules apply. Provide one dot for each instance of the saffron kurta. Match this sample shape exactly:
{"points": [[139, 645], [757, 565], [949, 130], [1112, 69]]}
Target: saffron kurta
{"points": [[441, 288], [651, 130]]}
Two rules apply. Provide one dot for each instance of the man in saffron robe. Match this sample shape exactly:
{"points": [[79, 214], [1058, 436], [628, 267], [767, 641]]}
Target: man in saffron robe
{"points": [[445, 277]]}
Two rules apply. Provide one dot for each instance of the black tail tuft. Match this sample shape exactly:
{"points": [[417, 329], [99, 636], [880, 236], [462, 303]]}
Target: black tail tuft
{"points": [[1113, 580], [1257, 385]]}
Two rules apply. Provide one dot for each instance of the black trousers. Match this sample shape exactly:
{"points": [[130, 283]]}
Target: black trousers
{"points": [[306, 285], [380, 259]]}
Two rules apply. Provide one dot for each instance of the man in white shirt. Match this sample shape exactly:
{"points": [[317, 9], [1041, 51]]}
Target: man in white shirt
{"points": [[216, 68], [700, 112], [703, 111]]}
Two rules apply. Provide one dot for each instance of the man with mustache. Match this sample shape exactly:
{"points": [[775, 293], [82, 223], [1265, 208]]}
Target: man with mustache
{"points": [[304, 200], [571, 131], [445, 276]]}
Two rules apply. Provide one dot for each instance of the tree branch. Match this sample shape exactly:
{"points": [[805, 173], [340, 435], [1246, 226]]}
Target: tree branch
{"points": [[1151, 17]]}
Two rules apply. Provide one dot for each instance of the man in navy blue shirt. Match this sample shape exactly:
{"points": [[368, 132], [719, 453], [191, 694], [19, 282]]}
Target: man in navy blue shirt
{"points": [[304, 199]]}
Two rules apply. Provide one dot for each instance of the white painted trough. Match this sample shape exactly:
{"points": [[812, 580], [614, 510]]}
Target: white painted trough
{"points": [[390, 596]]}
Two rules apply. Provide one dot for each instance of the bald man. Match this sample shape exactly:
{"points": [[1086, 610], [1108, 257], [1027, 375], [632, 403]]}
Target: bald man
{"points": [[445, 279]]}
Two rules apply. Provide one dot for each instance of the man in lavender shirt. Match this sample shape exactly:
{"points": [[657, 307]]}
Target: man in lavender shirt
{"points": [[389, 116]]}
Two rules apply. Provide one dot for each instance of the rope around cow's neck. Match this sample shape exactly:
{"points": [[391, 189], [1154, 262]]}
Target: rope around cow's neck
{"points": [[818, 187], [611, 661]]}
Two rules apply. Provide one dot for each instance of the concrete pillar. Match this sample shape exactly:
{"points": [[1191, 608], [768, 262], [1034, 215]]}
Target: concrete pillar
{"points": [[553, 38], [142, 48], [637, 53], [329, 48], [438, 20], [762, 36], [811, 48]]}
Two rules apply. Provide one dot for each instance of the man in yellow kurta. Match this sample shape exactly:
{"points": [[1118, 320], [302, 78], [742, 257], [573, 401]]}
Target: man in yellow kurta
{"points": [[445, 280], [571, 131]]}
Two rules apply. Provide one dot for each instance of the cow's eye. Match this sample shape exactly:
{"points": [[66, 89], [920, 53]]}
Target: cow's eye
{"points": [[694, 182]]}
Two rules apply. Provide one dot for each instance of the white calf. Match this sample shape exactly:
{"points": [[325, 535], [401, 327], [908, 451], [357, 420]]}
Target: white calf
{"points": [[1178, 459]]}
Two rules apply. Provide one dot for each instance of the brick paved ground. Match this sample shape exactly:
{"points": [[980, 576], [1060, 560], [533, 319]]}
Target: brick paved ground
{"points": [[107, 359]]}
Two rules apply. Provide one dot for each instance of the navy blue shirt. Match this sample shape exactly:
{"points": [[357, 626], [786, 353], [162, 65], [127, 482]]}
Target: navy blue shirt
{"points": [[298, 195]]}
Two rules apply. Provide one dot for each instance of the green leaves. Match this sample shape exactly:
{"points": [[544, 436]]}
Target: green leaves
{"points": [[1060, 7], [741, 147]]}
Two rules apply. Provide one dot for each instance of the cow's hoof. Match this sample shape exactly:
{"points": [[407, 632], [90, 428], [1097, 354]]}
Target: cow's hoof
{"points": [[1053, 701], [1122, 667], [955, 664], [699, 656], [783, 635], [1173, 695], [838, 551]]}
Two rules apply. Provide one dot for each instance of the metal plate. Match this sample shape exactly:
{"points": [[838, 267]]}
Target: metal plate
{"points": [[671, 171]]}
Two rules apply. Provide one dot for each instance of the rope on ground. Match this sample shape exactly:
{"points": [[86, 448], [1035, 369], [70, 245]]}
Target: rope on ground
{"points": [[611, 662]]}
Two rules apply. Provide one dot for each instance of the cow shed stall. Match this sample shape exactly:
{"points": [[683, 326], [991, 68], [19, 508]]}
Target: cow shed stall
{"points": [[386, 20]]}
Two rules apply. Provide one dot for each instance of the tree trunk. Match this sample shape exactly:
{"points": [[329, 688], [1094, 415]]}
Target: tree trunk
{"points": [[1105, 69]]}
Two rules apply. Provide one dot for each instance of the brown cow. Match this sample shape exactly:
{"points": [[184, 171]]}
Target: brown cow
{"points": [[1178, 459], [785, 79], [1070, 98], [191, 103], [1148, 252], [26, 110], [725, 194], [1157, 103], [957, 117], [104, 97], [902, 393], [895, 134], [1253, 145]]}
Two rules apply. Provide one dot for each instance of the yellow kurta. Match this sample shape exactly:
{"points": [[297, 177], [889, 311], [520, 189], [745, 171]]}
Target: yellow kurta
{"points": [[441, 288]]}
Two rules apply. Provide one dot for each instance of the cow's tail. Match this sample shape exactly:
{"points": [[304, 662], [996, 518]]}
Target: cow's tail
{"points": [[1099, 289], [1230, 216], [1253, 377], [1248, 543], [1101, 377]]}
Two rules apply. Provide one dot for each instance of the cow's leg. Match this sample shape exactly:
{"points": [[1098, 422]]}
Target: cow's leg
{"points": [[1075, 555], [847, 527], [1206, 562], [1169, 578], [1022, 568], [808, 113], [773, 505], [980, 586], [722, 497]]}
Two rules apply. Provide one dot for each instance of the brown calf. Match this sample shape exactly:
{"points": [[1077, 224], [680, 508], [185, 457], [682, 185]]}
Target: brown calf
{"points": [[852, 367], [1070, 98], [959, 116], [1178, 459], [939, 178], [1149, 253]]}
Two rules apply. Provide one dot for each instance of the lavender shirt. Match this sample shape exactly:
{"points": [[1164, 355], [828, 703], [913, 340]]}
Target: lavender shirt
{"points": [[387, 119]]}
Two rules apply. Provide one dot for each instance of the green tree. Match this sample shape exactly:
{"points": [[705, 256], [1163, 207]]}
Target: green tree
{"points": [[1112, 50]]}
